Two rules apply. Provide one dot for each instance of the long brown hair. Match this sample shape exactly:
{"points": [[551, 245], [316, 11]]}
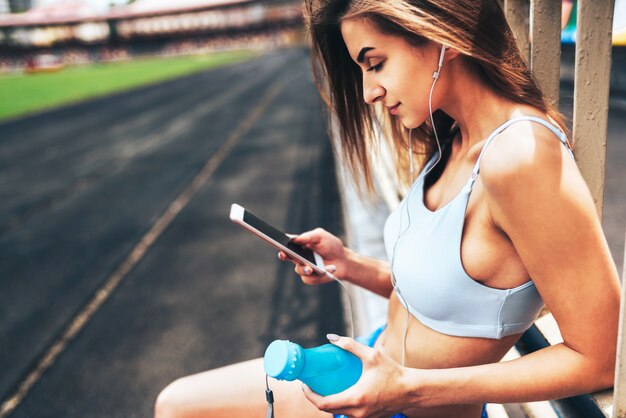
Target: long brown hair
{"points": [[476, 28]]}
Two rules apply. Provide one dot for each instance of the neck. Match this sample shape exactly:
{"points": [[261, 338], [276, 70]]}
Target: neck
{"points": [[476, 108]]}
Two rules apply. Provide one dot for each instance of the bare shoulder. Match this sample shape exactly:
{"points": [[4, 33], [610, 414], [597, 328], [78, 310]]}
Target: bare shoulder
{"points": [[524, 154]]}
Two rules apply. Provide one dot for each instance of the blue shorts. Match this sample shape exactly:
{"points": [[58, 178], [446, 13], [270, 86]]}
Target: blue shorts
{"points": [[369, 341]]}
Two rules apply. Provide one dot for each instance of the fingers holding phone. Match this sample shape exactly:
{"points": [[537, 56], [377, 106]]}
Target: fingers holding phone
{"points": [[329, 247], [322, 242], [300, 254], [307, 274]]}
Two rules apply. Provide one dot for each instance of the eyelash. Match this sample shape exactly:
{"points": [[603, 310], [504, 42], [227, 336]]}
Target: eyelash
{"points": [[376, 67]]}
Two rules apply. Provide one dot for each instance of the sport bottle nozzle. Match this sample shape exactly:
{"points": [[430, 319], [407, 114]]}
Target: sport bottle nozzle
{"points": [[284, 360]]}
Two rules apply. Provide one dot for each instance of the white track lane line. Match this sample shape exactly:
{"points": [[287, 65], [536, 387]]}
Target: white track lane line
{"points": [[105, 291]]}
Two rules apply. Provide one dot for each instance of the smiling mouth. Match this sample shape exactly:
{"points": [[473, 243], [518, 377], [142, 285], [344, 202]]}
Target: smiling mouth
{"points": [[394, 110]]}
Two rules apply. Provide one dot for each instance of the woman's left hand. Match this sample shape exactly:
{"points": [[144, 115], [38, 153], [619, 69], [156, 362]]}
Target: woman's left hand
{"points": [[380, 391]]}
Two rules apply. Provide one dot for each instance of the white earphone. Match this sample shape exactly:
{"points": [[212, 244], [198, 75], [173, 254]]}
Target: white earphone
{"points": [[394, 283], [435, 77], [441, 55]]}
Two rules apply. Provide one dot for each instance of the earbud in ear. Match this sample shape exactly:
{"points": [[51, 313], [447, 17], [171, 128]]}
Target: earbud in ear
{"points": [[441, 55]]}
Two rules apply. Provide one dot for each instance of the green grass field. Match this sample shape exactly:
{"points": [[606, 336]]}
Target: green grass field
{"points": [[22, 94]]}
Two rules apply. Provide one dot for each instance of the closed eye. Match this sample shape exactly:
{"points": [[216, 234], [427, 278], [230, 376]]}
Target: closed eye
{"points": [[376, 67]]}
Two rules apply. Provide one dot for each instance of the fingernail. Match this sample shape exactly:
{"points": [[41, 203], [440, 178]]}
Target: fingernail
{"points": [[332, 337], [307, 270], [279, 257], [331, 268]]}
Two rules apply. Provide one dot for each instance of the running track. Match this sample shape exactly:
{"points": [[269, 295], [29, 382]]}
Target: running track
{"points": [[128, 197]]}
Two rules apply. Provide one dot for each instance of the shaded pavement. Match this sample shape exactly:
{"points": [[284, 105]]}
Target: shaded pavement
{"points": [[80, 186]]}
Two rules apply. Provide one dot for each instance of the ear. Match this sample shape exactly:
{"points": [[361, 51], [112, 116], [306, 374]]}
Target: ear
{"points": [[451, 54]]}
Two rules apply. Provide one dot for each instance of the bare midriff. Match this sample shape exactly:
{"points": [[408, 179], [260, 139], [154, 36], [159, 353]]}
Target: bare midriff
{"points": [[429, 349]]}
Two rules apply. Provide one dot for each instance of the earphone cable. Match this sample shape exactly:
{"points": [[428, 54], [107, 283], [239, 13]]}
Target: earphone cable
{"points": [[394, 282], [347, 292]]}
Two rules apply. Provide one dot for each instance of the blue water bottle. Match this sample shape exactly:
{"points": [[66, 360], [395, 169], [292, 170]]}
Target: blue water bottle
{"points": [[326, 369]]}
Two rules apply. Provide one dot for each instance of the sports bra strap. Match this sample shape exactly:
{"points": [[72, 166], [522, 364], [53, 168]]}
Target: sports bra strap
{"points": [[560, 134]]}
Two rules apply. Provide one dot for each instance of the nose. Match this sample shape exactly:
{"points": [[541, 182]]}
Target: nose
{"points": [[372, 91]]}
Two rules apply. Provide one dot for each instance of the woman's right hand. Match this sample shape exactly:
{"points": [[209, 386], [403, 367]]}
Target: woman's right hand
{"points": [[328, 246]]}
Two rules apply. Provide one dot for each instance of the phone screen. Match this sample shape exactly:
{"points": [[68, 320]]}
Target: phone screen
{"points": [[278, 236]]}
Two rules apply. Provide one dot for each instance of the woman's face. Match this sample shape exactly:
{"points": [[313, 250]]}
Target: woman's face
{"points": [[394, 72]]}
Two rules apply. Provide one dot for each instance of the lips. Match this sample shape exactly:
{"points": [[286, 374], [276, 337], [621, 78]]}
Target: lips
{"points": [[394, 109]]}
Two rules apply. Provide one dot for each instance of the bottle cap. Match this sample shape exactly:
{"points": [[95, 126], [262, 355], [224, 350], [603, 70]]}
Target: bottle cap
{"points": [[284, 360]]}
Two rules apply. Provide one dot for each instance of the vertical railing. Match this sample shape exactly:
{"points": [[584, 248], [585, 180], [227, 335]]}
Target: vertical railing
{"points": [[518, 15], [591, 92], [539, 39], [545, 47]]}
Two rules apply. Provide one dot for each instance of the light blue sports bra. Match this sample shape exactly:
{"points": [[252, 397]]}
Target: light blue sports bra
{"points": [[429, 274]]}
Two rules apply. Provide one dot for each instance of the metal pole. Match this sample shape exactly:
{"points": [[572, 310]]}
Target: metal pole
{"points": [[591, 92], [518, 15], [545, 55]]}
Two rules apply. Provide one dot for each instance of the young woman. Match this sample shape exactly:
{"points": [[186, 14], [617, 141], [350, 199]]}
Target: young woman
{"points": [[498, 223]]}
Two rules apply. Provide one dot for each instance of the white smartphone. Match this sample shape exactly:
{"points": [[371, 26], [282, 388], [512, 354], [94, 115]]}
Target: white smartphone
{"points": [[276, 238]]}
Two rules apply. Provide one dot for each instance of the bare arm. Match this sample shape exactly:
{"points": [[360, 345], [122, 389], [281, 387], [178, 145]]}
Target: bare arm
{"points": [[369, 273], [539, 199], [366, 272]]}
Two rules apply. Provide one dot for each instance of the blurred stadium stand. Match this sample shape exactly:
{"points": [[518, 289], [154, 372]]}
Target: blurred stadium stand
{"points": [[77, 33], [18, 6]]}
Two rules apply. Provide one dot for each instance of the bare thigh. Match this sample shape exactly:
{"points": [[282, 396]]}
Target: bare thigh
{"points": [[233, 391]]}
